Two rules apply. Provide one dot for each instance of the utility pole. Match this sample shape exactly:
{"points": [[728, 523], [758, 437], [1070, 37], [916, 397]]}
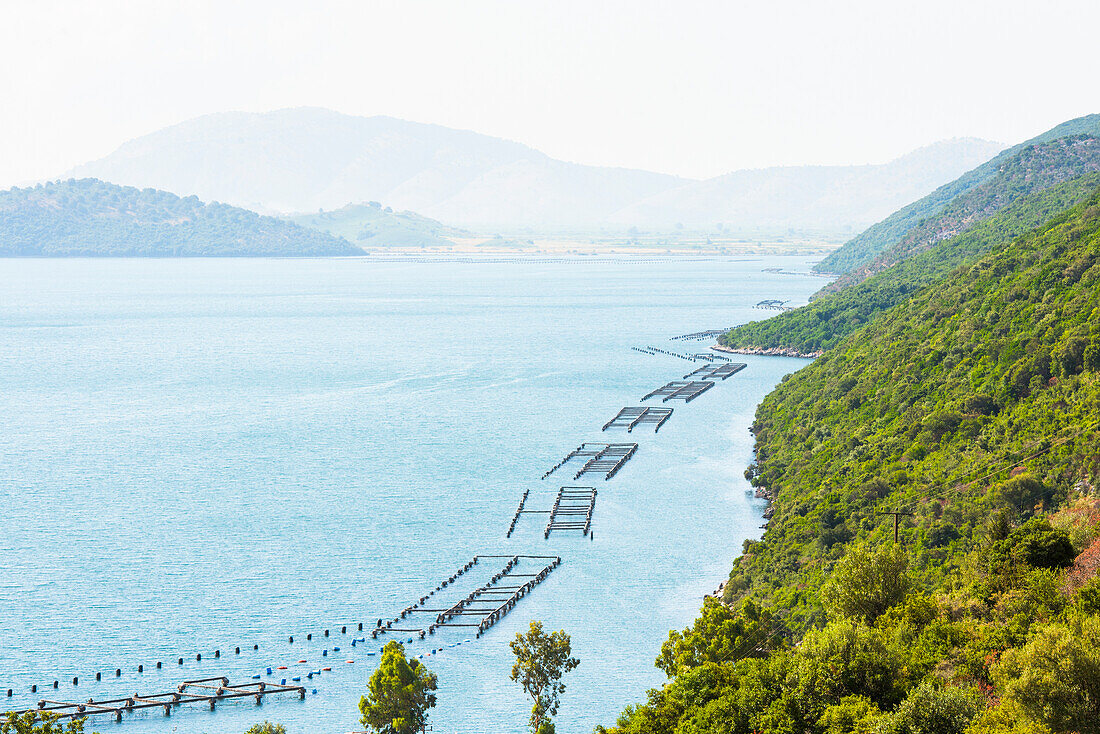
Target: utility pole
{"points": [[896, 516]]}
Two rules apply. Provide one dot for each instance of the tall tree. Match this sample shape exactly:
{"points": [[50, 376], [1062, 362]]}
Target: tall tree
{"points": [[541, 660], [400, 693]]}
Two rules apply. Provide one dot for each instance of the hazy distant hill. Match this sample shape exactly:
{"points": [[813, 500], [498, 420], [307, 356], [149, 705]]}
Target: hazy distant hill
{"points": [[372, 225], [93, 218], [831, 197], [302, 159], [299, 160], [868, 245]]}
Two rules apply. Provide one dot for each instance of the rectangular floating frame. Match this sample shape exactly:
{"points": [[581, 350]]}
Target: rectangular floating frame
{"points": [[203, 690], [464, 608], [521, 511], [603, 458], [572, 510], [487, 605], [716, 371], [608, 461], [628, 418], [677, 390]]}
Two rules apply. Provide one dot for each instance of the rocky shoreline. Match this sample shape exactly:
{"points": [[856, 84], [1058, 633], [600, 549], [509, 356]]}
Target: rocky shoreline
{"points": [[768, 351]]}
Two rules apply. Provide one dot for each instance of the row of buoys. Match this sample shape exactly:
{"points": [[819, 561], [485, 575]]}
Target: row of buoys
{"points": [[519, 510], [655, 350], [180, 661], [700, 335], [559, 465], [381, 627]]}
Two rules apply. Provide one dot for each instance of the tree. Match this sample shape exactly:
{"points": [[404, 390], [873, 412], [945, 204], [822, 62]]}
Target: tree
{"points": [[857, 660], [1056, 676], [267, 727], [35, 722], [866, 582], [717, 635], [400, 693], [541, 660]]}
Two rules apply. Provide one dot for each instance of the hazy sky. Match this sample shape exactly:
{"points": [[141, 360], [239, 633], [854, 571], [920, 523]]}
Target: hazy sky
{"points": [[693, 88]]}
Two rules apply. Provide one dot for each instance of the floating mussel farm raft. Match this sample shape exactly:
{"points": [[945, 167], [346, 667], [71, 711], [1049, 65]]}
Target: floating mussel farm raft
{"points": [[572, 510], [629, 418], [210, 691], [482, 607], [716, 371], [680, 390], [601, 458]]}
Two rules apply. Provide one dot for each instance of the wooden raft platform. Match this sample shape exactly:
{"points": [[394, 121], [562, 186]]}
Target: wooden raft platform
{"points": [[203, 690], [676, 390], [572, 510], [603, 458], [716, 371], [628, 418], [488, 604], [487, 616]]}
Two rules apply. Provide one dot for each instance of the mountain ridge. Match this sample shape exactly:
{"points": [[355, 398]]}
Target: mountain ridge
{"points": [[879, 237], [305, 159]]}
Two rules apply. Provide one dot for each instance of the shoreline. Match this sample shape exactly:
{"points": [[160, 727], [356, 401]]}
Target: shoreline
{"points": [[767, 351]]}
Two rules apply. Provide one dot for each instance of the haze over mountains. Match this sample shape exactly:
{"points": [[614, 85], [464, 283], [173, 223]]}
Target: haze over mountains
{"points": [[305, 159]]}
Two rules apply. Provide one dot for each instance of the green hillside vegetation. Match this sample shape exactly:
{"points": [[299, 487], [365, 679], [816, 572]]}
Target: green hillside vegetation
{"points": [[866, 246], [91, 218], [825, 321], [974, 406], [372, 225]]}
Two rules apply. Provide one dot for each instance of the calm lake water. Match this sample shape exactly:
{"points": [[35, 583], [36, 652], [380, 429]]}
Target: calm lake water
{"points": [[205, 454]]}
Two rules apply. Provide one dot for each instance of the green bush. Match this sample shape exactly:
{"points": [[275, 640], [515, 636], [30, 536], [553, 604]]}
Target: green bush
{"points": [[866, 582]]}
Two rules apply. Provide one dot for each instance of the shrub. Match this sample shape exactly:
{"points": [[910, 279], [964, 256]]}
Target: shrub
{"points": [[866, 582]]}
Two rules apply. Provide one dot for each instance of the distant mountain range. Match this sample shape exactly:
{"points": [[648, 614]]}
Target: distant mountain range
{"points": [[809, 197], [303, 159], [91, 218]]}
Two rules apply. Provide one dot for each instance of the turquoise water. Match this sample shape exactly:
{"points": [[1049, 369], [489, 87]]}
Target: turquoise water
{"points": [[205, 454]]}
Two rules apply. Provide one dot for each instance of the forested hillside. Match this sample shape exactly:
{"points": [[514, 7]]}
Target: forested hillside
{"points": [[866, 246], [973, 408], [825, 321], [88, 217], [1034, 168], [373, 225]]}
